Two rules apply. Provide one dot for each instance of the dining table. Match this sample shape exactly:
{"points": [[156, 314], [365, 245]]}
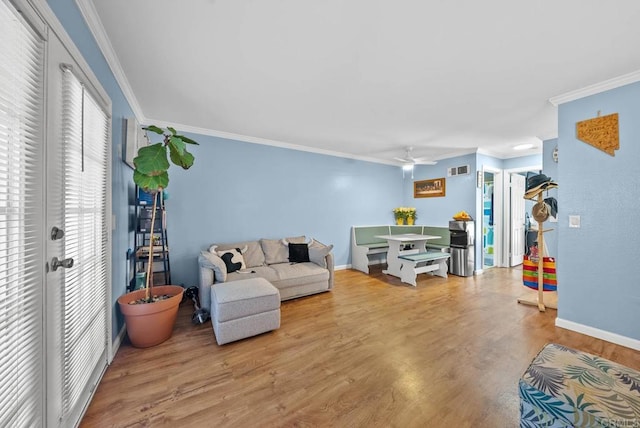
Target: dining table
{"points": [[403, 244]]}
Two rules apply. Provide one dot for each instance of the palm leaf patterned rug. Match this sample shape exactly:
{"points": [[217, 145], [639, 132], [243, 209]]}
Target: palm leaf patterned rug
{"points": [[567, 388]]}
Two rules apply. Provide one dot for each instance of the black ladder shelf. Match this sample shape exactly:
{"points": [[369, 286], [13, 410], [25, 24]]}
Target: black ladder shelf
{"points": [[145, 239]]}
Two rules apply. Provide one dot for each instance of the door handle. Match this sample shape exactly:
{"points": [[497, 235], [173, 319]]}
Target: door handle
{"points": [[56, 233], [65, 263]]}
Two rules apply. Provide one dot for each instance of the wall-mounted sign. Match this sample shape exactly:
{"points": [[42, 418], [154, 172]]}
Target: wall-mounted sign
{"points": [[429, 188], [600, 132]]}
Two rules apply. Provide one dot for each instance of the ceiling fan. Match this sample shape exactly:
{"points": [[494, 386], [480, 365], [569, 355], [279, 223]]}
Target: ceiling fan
{"points": [[410, 160]]}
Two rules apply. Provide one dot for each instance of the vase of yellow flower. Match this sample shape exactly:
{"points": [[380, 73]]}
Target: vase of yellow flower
{"points": [[411, 216], [404, 213], [399, 214]]}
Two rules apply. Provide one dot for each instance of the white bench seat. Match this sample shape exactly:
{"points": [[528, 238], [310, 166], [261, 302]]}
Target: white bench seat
{"points": [[434, 262], [365, 243]]}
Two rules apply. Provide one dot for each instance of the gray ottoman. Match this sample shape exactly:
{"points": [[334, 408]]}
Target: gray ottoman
{"points": [[244, 308]]}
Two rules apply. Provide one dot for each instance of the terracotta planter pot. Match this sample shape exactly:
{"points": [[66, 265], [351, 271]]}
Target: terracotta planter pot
{"points": [[150, 324]]}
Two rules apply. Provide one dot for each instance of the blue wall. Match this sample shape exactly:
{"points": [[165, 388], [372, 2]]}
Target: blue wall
{"points": [[521, 162], [242, 191], [70, 17], [459, 191], [550, 169], [597, 284]]}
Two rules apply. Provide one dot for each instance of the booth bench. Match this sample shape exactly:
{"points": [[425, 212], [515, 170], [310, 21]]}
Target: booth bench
{"points": [[413, 264], [365, 244]]}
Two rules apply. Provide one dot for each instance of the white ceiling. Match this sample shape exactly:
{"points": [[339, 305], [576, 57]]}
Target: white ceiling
{"points": [[365, 78]]}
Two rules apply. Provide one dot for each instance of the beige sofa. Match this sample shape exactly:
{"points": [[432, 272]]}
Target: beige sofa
{"points": [[269, 259]]}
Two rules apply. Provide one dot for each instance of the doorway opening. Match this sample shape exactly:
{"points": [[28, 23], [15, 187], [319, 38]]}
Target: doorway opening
{"points": [[488, 220], [515, 213]]}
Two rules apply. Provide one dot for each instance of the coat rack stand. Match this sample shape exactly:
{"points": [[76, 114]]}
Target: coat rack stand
{"points": [[539, 302]]}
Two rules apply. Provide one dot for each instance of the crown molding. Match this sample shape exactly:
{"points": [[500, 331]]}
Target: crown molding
{"points": [[94, 23], [265, 141], [597, 88]]}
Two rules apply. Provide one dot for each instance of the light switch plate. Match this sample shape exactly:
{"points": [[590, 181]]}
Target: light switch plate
{"points": [[574, 221]]}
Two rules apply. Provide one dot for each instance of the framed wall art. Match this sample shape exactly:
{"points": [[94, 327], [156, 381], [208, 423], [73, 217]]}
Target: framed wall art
{"points": [[429, 188]]}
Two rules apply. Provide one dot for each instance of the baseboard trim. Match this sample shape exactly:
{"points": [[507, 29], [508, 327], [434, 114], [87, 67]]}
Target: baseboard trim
{"points": [[117, 342], [342, 267], [599, 334]]}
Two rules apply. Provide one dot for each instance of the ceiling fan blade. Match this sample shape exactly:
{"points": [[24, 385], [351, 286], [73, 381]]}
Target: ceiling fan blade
{"points": [[403, 160], [425, 162]]}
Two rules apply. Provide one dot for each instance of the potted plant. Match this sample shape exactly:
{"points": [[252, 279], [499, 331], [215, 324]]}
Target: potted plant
{"points": [[404, 213], [150, 313], [400, 214], [411, 216]]}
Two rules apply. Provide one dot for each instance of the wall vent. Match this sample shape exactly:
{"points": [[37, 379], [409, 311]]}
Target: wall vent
{"points": [[458, 170]]}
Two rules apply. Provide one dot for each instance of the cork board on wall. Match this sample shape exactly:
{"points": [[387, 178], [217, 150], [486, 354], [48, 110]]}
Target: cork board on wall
{"points": [[600, 132]]}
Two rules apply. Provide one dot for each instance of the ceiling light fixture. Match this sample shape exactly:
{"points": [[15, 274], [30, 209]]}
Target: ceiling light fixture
{"points": [[406, 168], [525, 146]]}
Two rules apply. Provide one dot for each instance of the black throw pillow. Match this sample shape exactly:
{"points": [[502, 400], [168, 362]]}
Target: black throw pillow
{"points": [[298, 253]]}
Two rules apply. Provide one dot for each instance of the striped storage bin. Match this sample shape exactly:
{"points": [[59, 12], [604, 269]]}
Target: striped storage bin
{"points": [[530, 273]]}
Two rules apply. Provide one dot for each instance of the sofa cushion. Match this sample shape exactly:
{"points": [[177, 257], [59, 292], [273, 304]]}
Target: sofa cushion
{"points": [[298, 253], [216, 264], [276, 251], [265, 272], [291, 275], [318, 253], [232, 259], [253, 256]]}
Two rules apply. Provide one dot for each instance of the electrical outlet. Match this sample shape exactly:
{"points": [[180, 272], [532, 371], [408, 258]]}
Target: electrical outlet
{"points": [[574, 221]]}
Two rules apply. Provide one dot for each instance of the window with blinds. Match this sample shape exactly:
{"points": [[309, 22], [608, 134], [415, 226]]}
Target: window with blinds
{"points": [[85, 134], [21, 220]]}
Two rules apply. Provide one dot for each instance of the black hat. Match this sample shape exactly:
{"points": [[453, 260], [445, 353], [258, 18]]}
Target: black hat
{"points": [[536, 183], [536, 180]]}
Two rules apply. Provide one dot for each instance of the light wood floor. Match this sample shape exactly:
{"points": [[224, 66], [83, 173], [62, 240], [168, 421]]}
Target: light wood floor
{"points": [[373, 352]]}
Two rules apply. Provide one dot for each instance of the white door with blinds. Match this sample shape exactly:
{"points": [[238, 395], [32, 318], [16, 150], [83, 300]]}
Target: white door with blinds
{"points": [[54, 235], [78, 239]]}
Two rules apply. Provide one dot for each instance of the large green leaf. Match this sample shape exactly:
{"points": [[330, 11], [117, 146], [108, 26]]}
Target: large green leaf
{"points": [[184, 160], [151, 183], [152, 160], [187, 140], [154, 128], [151, 163], [177, 144]]}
